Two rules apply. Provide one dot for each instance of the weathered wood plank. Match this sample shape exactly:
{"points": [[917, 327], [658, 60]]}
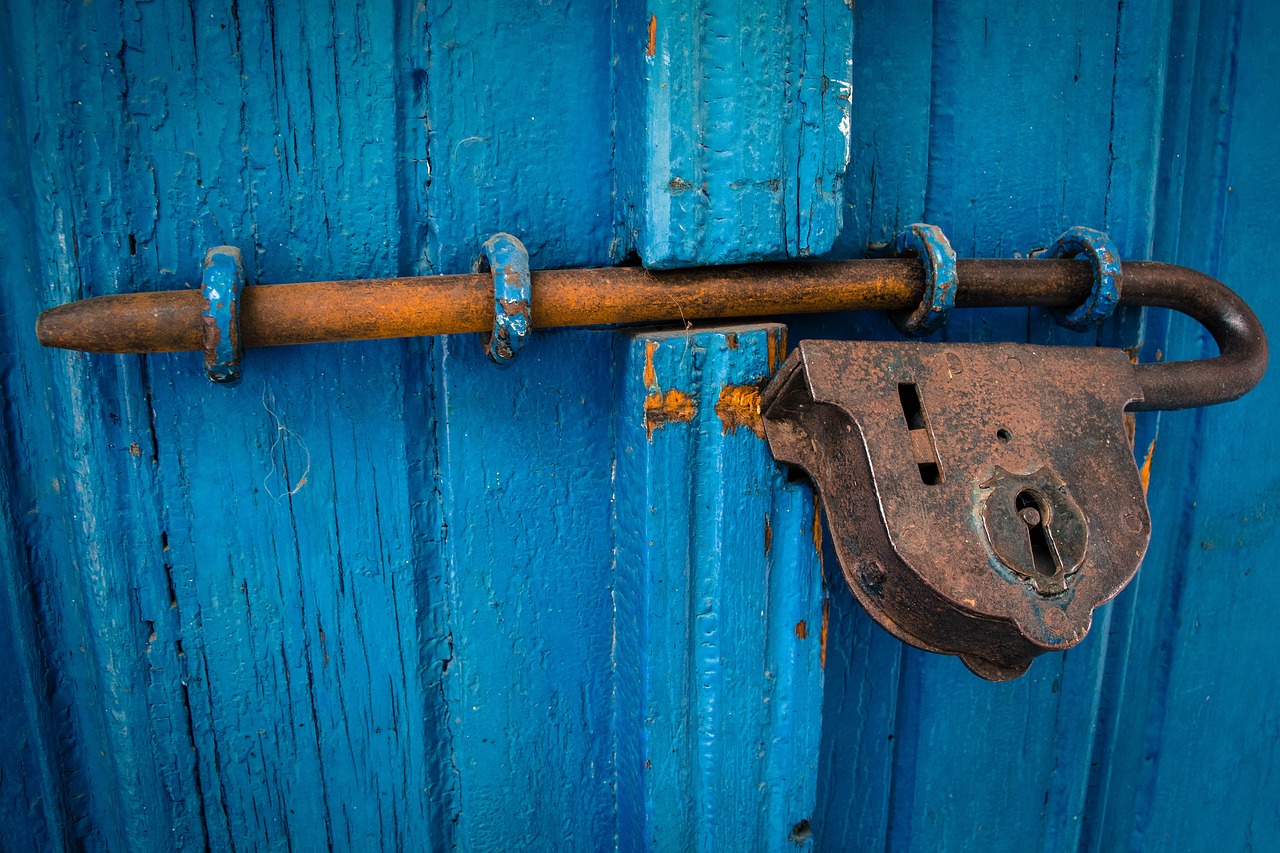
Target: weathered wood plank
{"points": [[1036, 91], [718, 600], [1193, 731], [518, 117], [732, 128]]}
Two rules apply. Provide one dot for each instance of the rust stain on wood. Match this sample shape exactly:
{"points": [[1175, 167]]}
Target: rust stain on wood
{"points": [[652, 48], [768, 535], [802, 630], [776, 342], [822, 635], [675, 406], [650, 375], [739, 405], [1145, 471]]}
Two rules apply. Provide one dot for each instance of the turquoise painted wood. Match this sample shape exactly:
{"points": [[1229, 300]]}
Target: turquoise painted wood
{"points": [[718, 643], [733, 128], [386, 595]]}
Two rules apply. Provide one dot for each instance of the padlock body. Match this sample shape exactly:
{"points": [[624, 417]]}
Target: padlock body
{"points": [[934, 459]]}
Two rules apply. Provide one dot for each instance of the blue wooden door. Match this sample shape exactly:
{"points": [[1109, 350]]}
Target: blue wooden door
{"points": [[384, 595]]}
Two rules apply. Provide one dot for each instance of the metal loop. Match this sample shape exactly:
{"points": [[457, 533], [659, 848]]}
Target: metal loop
{"points": [[221, 283], [512, 296], [928, 243], [1105, 295]]}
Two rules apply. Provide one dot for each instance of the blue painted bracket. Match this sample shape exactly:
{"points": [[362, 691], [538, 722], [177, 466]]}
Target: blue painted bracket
{"points": [[512, 296], [928, 243], [1105, 295], [222, 282]]}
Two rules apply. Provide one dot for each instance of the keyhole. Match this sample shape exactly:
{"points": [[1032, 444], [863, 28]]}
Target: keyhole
{"points": [[1043, 555]]}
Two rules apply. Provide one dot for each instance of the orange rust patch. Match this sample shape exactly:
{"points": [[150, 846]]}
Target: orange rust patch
{"points": [[1145, 471], [660, 409], [731, 340], [822, 635], [1131, 427], [739, 405], [776, 342], [802, 630], [650, 376], [768, 535], [653, 36]]}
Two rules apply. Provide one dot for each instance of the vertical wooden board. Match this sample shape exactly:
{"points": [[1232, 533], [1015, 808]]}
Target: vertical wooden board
{"points": [[87, 502], [889, 112], [733, 128], [1199, 775], [525, 485], [33, 805], [519, 128], [1036, 124], [718, 600], [292, 566], [1138, 647], [253, 654]]}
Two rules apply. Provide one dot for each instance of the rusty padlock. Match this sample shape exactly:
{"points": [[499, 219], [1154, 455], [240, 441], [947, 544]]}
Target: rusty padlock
{"points": [[983, 499]]}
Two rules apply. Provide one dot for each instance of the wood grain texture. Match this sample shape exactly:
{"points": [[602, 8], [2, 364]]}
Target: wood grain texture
{"points": [[386, 596], [234, 662], [518, 141], [718, 602], [734, 128]]}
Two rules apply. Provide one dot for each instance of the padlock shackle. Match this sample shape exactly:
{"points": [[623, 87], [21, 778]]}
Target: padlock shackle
{"points": [[318, 312], [1242, 343]]}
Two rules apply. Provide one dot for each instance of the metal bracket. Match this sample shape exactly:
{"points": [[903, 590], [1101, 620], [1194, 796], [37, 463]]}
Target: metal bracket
{"points": [[981, 503], [1105, 295], [928, 243], [222, 283], [507, 257]]}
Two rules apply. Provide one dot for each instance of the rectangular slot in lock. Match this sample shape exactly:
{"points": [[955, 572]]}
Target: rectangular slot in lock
{"points": [[922, 449]]}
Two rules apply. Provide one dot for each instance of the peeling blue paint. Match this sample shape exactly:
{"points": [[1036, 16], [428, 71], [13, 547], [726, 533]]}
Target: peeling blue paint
{"points": [[512, 296], [1105, 295], [733, 128], [382, 596], [222, 282], [719, 606]]}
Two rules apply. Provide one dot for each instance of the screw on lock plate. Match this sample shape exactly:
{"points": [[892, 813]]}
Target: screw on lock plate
{"points": [[983, 499]]}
